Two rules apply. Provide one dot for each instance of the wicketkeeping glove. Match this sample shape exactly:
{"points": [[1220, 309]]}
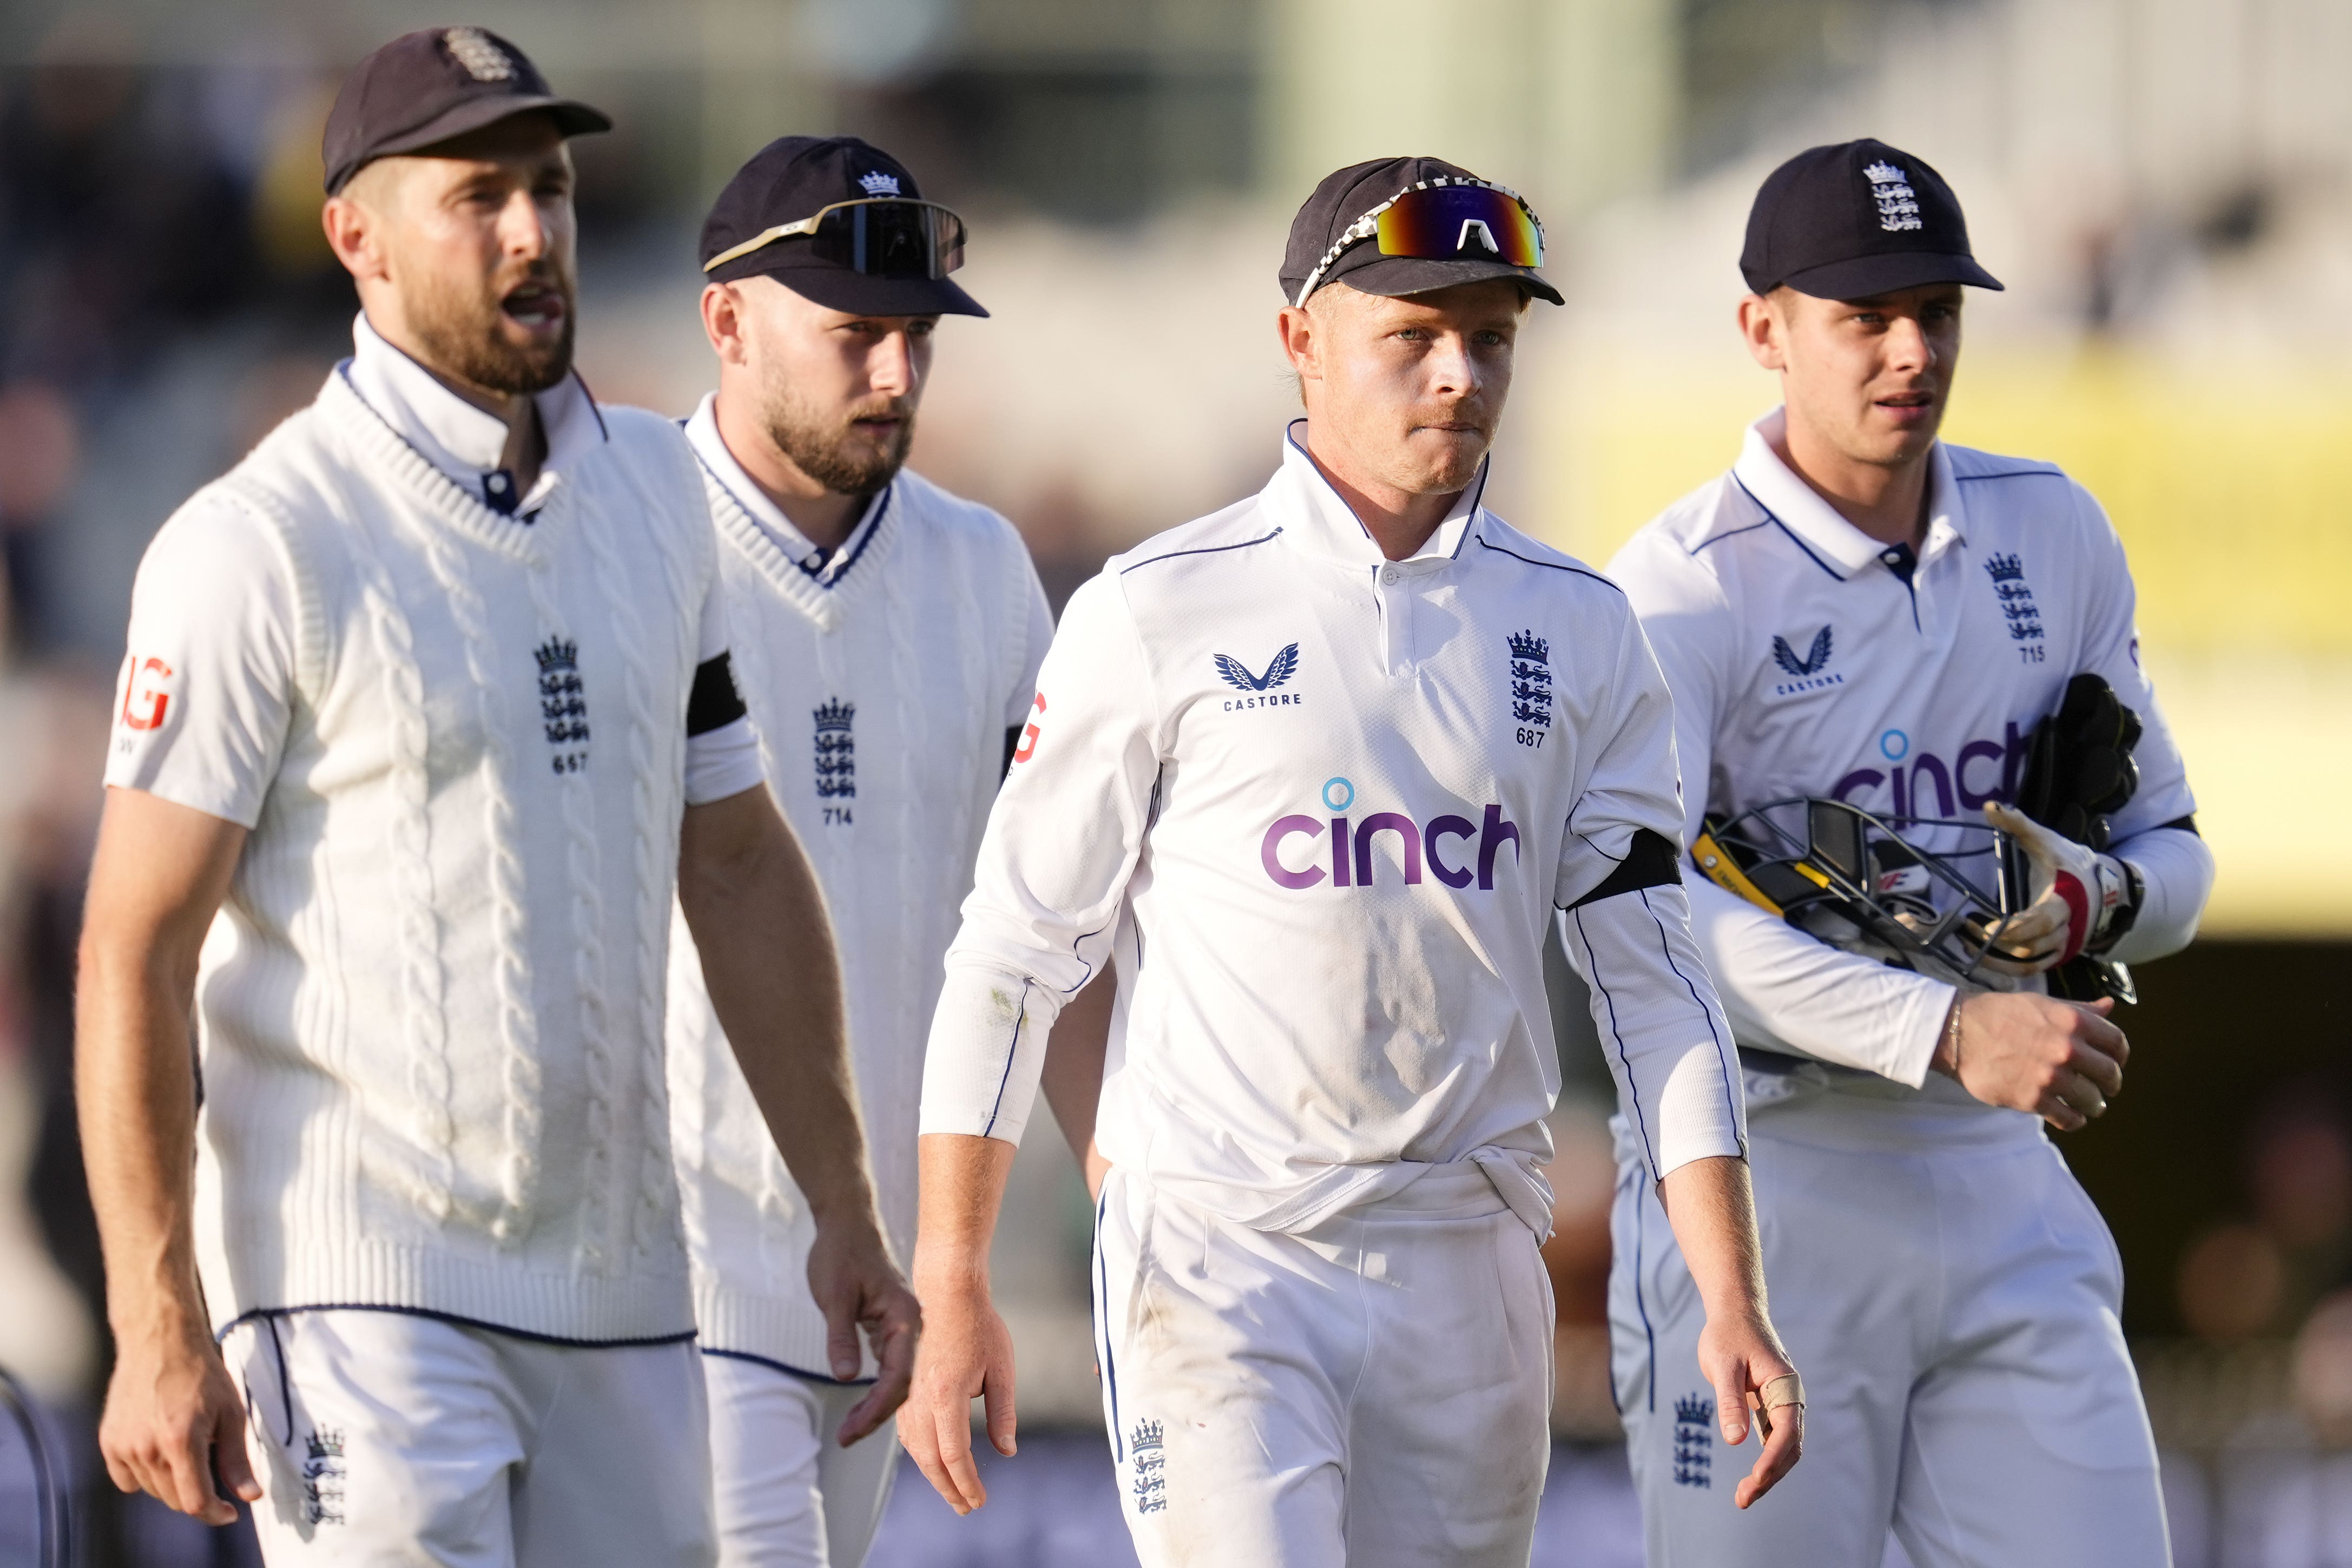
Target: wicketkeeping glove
{"points": [[2082, 898]]}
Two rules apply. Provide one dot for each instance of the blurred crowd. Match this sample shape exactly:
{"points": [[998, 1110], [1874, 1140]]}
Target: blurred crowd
{"points": [[2253, 1408]]}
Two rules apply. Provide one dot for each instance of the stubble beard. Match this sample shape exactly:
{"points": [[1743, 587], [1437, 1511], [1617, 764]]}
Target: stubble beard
{"points": [[464, 336], [823, 447]]}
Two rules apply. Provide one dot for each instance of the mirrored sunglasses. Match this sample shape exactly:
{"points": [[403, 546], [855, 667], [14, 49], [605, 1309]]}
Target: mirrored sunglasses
{"points": [[1449, 221], [885, 236]]}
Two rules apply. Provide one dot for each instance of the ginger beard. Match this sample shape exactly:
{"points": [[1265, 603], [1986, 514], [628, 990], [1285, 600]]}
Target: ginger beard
{"points": [[830, 447], [472, 333]]}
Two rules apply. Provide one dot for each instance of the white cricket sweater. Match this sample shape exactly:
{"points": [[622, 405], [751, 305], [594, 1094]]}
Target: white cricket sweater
{"points": [[1326, 804], [881, 686], [1804, 662], [430, 1011]]}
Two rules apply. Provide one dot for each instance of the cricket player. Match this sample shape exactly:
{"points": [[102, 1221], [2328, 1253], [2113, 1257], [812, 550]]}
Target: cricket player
{"points": [[1861, 613], [890, 635], [1318, 768], [427, 716]]}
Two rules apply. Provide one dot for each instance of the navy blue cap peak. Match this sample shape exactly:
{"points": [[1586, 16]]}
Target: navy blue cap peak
{"points": [[793, 179], [427, 87], [1855, 220]]}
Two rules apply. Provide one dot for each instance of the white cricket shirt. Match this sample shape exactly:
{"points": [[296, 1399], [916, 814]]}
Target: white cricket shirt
{"points": [[1329, 802], [1805, 661], [881, 680]]}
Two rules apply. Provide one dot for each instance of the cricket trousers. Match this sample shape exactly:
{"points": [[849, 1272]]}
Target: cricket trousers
{"points": [[789, 1495], [385, 1439], [1950, 1296], [1374, 1393]]}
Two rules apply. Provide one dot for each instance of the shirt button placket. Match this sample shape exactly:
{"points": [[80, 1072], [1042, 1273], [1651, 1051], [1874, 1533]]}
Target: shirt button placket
{"points": [[1396, 600]]}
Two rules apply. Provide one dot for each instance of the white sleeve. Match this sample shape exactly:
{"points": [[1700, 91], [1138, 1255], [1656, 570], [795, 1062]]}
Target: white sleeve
{"points": [[2176, 871], [202, 705], [722, 762], [1062, 841], [1668, 1044], [722, 759], [1786, 990], [1783, 989]]}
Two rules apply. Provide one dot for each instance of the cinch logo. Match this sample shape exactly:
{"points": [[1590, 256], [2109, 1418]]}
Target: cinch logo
{"points": [[145, 700], [1349, 857], [1917, 782]]}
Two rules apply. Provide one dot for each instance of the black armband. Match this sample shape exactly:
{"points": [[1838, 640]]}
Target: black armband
{"points": [[1650, 862], [714, 703]]}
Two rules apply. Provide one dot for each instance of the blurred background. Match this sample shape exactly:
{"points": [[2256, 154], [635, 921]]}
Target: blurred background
{"points": [[2165, 185]]}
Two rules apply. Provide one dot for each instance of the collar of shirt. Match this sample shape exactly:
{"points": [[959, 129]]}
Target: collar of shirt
{"points": [[1819, 526], [702, 434], [464, 442], [1315, 517]]}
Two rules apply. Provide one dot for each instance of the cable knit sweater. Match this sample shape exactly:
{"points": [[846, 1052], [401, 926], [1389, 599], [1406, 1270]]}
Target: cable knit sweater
{"points": [[430, 1012], [881, 690]]}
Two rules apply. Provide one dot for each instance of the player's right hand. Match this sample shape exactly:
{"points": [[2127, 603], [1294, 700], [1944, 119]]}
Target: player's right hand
{"points": [[2063, 1061], [173, 1420], [965, 1353], [1740, 1355]]}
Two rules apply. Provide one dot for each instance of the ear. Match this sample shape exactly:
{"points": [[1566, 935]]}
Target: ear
{"points": [[1300, 345], [724, 324], [1765, 330], [355, 234]]}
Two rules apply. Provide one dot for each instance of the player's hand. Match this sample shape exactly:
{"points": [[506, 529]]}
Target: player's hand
{"points": [[2075, 891], [966, 1353], [2064, 1061], [857, 1287], [174, 1420], [1741, 1356]]}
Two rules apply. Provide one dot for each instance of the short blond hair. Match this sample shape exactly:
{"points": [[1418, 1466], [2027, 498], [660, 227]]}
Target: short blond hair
{"points": [[376, 183]]}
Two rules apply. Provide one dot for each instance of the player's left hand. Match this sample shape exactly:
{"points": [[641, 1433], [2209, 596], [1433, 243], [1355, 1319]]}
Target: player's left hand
{"points": [[1742, 1356], [858, 1287], [2076, 893]]}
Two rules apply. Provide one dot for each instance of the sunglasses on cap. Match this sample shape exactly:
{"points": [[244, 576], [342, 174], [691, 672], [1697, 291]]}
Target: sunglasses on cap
{"points": [[1443, 220], [886, 236]]}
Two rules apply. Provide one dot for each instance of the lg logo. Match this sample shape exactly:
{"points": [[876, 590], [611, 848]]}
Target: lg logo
{"points": [[1028, 746], [145, 700]]}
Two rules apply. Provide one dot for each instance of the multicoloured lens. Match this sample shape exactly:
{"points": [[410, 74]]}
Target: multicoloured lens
{"points": [[1446, 223], [891, 239]]}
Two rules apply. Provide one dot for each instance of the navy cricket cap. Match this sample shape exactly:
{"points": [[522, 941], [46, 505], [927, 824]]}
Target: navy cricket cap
{"points": [[1854, 220], [790, 181], [1342, 203], [424, 87]]}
